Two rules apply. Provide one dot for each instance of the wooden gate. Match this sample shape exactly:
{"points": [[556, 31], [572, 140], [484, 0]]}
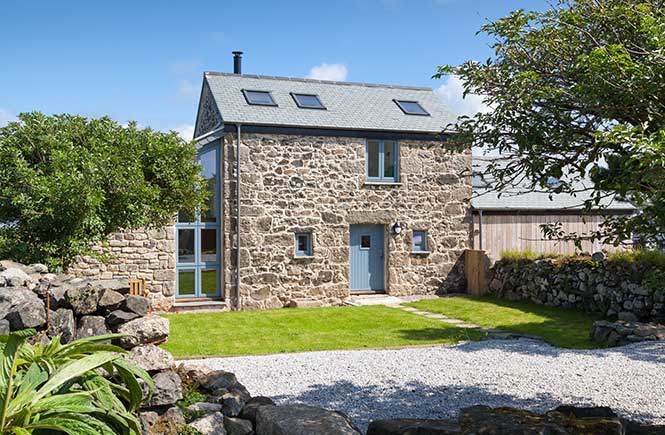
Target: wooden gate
{"points": [[475, 268]]}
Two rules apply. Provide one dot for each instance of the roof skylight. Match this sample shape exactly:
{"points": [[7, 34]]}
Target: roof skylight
{"points": [[258, 98], [411, 107], [307, 101]]}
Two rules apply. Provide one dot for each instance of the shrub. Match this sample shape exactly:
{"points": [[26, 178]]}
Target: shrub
{"points": [[645, 257], [526, 255], [81, 388], [67, 182]]}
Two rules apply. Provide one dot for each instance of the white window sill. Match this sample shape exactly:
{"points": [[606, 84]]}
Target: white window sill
{"points": [[382, 183], [303, 257], [420, 252]]}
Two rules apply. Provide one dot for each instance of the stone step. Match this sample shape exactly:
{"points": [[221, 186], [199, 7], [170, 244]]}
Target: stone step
{"points": [[305, 303], [200, 306]]}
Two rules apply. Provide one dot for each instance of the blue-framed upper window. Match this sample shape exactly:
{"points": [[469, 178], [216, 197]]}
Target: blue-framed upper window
{"points": [[303, 244], [419, 241], [382, 160], [258, 98]]}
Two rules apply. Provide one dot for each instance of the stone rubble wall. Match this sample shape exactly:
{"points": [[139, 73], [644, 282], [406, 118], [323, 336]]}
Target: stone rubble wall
{"points": [[313, 184], [620, 333], [144, 253], [59, 305], [613, 288]]}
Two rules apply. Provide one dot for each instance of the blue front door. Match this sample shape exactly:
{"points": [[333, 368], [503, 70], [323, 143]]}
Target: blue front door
{"points": [[367, 258]]}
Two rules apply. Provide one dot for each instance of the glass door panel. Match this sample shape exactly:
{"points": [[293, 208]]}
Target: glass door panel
{"points": [[198, 256]]}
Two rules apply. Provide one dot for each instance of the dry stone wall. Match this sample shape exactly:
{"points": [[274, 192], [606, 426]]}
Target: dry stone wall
{"points": [[312, 184], [627, 291], [144, 253]]}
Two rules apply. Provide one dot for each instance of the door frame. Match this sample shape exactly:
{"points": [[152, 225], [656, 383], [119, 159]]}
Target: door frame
{"points": [[383, 262]]}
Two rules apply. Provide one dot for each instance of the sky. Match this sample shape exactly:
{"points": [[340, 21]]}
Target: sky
{"points": [[144, 60]]}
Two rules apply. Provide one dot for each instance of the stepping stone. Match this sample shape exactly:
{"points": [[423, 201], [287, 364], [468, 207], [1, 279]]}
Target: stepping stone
{"points": [[436, 316], [453, 321], [411, 309], [421, 313], [468, 326]]}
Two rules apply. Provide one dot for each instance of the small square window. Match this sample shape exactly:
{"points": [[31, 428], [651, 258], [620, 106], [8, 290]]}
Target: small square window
{"points": [[303, 244], [258, 98], [365, 242], [419, 241], [308, 101], [411, 107]]}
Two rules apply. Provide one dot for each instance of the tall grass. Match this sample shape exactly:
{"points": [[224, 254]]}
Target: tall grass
{"points": [[527, 255]]}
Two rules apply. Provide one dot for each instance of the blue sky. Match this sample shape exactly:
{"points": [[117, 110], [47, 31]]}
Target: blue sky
{"points": [[143, 60]]}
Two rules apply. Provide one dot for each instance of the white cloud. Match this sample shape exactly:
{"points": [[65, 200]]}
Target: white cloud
{"points": [[187, 90], [6, 117], [452, 94], [186, 131], [329, 71]]}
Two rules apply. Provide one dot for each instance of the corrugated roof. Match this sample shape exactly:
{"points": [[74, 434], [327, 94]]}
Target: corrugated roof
{"points": [[519, 197], [352, 106]]}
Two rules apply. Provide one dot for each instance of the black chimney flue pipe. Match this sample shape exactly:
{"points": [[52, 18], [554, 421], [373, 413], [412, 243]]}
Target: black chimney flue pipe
{"points": [[237, 62]]}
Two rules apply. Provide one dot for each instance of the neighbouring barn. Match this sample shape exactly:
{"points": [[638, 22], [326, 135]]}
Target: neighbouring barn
{"points": [[511, 219]]}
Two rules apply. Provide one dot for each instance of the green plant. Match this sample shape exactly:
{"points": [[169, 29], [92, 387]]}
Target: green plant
{"points": [[190, 397], [645, 257], [82, 388], [67, 182], [527, 255], [575, 93]]}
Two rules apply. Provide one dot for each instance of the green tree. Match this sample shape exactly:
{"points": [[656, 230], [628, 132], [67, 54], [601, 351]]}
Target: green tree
{"points": [[577, 92], [67, 182]]}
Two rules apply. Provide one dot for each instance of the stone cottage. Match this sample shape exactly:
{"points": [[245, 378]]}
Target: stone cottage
{"points": [[343, 188]]}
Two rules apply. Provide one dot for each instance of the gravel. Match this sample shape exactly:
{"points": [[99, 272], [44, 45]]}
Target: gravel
{"points": [[435, 382]]}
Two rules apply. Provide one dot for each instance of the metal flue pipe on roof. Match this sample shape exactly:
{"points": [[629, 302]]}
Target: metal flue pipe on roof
{"points": [[237, 62]]}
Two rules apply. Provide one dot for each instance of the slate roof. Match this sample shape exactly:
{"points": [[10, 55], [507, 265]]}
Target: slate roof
{"points": [[519, 198], [349, 106]]}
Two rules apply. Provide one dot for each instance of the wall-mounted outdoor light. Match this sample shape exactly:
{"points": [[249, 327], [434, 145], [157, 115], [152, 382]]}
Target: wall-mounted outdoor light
{"points": [[397, 228]]}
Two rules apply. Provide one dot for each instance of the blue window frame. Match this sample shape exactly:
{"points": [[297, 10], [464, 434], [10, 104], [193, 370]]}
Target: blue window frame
{"points": [[411, 107], [382, 161], [419, 241], [198, 238], [303, 244]]}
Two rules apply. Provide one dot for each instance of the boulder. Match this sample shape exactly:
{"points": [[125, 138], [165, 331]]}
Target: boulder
{"points": [[218, 380], [137, 304], [15, 277], [111, 300], [171, 422], [499, 421], [30, 313], [151, 329], [89, 326], [4, 327], [83, 300], [168, 389], [407, 426], [36, 268], [118, 317], [232, 403], [238, 426], [204, 407], [302, 420], [57, 296], [63, 324], [249, 410], [151, 358], [212, 424], [118, 285]]}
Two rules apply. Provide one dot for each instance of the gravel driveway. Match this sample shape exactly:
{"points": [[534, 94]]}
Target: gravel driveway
{"points": [[435, 382]]}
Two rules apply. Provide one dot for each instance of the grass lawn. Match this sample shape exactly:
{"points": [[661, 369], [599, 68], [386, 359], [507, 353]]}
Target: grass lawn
{"points": [[558, 327], [301, 330]]}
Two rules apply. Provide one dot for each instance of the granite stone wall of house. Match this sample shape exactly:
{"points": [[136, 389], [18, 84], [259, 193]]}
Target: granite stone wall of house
{"points": [[143, 253], [314, 184]]}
